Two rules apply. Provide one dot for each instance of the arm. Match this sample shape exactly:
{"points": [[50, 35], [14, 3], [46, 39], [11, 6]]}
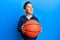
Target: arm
{"points": [[19, 25]]}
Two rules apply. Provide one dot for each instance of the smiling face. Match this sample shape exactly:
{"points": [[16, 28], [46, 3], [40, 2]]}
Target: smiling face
{"points": [[29, 9]]}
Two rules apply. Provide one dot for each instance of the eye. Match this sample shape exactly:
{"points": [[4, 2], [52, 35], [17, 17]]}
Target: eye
{"points": [[28, 7]]}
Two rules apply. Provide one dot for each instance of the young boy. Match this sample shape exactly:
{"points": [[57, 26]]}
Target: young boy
{"points": [[29, 16]]}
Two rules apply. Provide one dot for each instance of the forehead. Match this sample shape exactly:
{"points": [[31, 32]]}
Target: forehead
{"points": [[29, 4]]}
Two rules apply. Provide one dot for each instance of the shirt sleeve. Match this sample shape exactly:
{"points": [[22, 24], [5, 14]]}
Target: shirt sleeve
{"points": [[19, 25]]}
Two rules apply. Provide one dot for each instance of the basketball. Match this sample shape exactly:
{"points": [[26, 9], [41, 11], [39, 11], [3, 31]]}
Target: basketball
{"points": [[32, 28]]}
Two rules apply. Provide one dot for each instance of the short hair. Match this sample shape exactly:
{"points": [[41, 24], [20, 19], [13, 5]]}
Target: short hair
{"points": [[26, 4]]}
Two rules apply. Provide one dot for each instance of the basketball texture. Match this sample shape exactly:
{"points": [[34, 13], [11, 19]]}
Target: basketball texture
{"points": [[32, 28]]}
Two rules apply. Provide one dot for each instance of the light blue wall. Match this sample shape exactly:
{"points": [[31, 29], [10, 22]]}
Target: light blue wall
{"points": [[47, 11]]}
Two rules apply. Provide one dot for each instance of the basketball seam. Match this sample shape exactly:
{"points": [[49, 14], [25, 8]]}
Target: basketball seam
{"points": [[32, 31], [31, 24]]}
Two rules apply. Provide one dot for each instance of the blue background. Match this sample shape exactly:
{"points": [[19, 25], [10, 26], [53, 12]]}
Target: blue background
{"points": [[47, 11]]}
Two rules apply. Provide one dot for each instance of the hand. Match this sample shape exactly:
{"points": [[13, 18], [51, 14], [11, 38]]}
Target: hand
{"points": [[22, 28]]}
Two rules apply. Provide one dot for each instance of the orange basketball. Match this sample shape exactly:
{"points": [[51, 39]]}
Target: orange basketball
{"points": [[32, 28]]}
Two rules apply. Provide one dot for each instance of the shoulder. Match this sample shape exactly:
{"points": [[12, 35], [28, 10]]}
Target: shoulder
{"points": [[35, 17], [23, 16]]}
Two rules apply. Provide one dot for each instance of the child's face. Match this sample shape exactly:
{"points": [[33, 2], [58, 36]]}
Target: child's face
{"points": [[29, 8]]}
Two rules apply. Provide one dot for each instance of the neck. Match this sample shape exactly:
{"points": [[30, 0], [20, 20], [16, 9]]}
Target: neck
{"points": [[28, 15]]}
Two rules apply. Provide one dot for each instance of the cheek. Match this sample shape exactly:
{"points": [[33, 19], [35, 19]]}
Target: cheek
{"points": [[30, 9]]}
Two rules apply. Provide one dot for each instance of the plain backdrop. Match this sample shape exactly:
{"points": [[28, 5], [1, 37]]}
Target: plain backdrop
{"points": [[47, 12]]}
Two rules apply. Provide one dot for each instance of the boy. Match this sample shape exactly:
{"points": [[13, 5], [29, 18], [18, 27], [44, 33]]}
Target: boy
{"points": [[29, 16]]}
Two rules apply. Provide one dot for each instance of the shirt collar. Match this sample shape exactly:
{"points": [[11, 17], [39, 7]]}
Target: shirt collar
{"points": [[29, 17]]}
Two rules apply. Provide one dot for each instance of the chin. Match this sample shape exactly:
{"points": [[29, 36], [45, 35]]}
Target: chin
{"points": [[31, 12]]}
